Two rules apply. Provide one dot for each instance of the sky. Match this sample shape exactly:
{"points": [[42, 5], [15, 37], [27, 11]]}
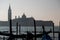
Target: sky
{"points": [[39, 9]]}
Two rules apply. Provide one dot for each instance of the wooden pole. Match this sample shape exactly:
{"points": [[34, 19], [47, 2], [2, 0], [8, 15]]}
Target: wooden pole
{"points": [[10, 26], [16, 29], [43, 28], [59, 32], [10, 37], [53, 32], [35, 28], [3, 38], [19, 29]]}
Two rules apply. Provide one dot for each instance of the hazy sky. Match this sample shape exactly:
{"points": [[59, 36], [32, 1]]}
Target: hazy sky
{"points": [[39, 9]]}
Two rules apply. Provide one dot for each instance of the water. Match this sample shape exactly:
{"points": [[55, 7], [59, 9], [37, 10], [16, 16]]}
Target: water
{"points": [[24, 29]]}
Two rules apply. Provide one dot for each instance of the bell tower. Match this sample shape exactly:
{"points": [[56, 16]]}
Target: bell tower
{"points": [[9, 13], [9, 19]]}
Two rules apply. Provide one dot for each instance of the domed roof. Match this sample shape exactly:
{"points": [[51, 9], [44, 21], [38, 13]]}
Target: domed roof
{"points": [[23, 16]]}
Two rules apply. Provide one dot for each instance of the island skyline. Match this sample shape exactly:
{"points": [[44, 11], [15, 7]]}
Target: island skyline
{"points": [[39, 9], [24, 21]]}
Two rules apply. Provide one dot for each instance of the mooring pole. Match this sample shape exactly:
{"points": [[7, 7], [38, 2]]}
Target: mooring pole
{"points": [[10, 26], [35, 29], [19, 29], [59, 32], [43, 29], [16, 29], [3, 38], [53, 32]]}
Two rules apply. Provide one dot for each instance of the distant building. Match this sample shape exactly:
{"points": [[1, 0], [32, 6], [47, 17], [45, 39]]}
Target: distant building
{"points": [[24, 21]]}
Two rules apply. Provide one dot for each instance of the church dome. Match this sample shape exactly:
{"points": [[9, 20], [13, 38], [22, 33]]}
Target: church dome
{"points": [[23, 16]]}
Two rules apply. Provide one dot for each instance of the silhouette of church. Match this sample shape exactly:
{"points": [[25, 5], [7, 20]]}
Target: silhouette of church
{"points": [[24, 21]]}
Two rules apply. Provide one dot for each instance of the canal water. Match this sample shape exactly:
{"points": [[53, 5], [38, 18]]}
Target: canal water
{"points": [[24, 29]]}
